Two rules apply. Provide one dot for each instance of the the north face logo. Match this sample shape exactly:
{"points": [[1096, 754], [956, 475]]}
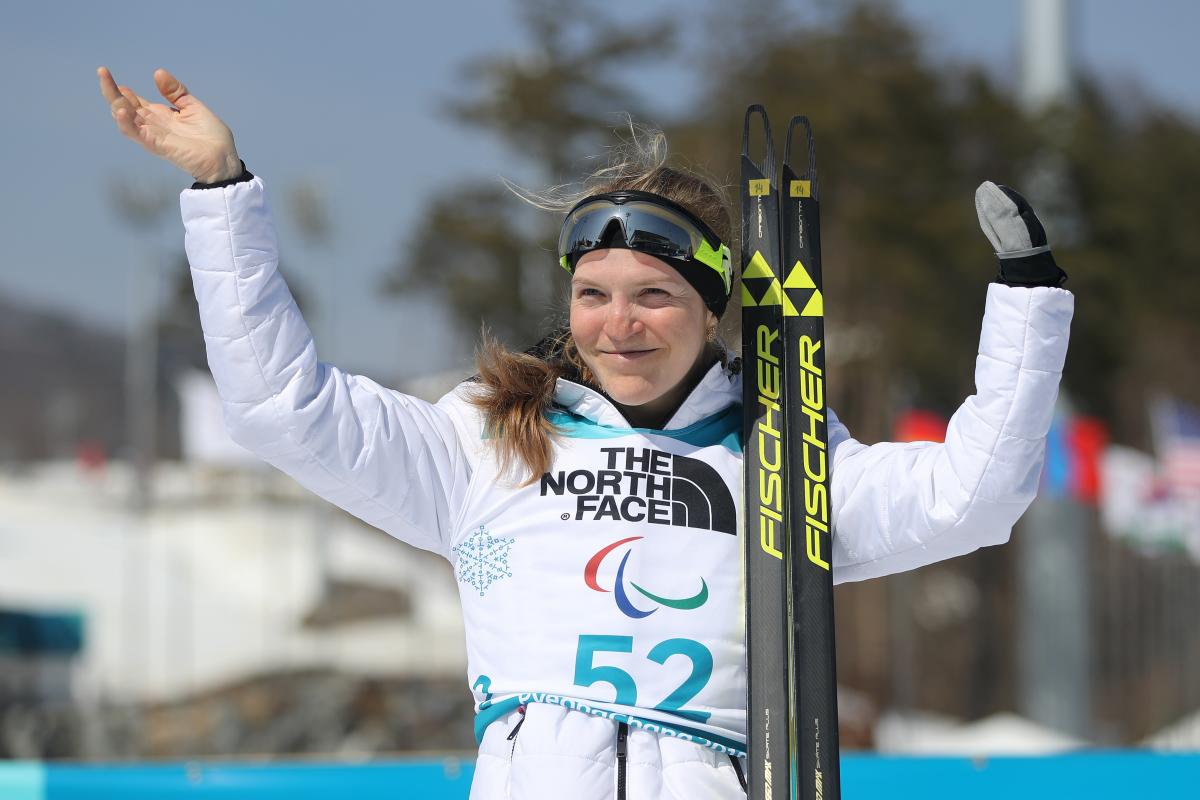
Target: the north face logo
{"points": [[639, 484]]}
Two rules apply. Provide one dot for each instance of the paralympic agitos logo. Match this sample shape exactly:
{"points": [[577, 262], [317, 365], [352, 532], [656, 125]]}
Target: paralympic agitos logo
{"points": [[621, 595], [640, 484]]}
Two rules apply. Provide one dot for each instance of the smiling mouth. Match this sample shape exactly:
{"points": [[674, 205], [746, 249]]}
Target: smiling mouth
{"points": [[627, 353]]}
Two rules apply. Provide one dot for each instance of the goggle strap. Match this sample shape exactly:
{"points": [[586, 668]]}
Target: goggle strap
{"points": [[718, 260]]}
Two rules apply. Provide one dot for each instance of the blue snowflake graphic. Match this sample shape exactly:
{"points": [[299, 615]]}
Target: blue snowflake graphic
{"points": [[482, 559]]}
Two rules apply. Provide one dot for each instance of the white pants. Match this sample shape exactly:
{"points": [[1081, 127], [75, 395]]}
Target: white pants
{"points": [[559, 752]]}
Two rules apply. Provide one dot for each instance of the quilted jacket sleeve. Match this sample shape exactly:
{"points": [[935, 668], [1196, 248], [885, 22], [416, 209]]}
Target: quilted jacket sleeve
{"points": [[900, 506], [392, 460]]}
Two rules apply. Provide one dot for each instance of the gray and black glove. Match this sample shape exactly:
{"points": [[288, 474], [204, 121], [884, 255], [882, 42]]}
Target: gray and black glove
{"points": [[1017, 236]]}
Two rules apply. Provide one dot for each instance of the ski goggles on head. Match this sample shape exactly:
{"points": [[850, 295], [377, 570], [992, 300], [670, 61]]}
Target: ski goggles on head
{"points": [[654, 225]]}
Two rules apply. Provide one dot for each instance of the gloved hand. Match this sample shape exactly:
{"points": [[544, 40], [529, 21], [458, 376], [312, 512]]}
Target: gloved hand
{"points": [[1017, 236]]}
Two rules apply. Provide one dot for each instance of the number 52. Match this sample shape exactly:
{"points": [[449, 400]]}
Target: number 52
{"points": [[586, 674]]}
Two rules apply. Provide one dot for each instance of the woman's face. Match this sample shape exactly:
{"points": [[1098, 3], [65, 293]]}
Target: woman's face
{"points": [[639, 326]]}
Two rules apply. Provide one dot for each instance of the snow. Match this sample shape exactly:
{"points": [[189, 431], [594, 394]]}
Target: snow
{"points": [[919, 733], [1181, 735]]}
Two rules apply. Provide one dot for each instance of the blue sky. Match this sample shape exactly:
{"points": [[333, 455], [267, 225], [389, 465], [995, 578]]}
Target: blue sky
{"points": [[348, 95]]}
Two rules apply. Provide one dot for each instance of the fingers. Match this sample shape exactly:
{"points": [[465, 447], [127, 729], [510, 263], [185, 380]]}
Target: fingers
{"points": [[170, 88], [118, 97], [108, 86], [122, 103], [136, 101], [113, 93]]}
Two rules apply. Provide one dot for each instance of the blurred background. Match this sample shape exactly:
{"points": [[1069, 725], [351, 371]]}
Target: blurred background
{"points": [[163, 595]]}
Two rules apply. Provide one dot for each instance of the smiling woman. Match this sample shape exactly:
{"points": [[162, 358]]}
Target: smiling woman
{"points": [[601, 589], [641, 329], [647, 248]]}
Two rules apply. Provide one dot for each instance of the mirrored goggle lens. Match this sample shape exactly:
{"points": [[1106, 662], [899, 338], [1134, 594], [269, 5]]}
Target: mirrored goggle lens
{"points": [[646, 227]]}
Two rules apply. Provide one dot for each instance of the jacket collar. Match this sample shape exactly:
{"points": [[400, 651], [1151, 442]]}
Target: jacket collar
{"points": [[720, 387]]}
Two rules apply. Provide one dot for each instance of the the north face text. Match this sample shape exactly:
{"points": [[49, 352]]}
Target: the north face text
{"points": [[639, 484]]}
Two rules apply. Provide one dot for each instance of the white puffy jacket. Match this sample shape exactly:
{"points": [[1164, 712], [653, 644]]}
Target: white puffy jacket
{"points": [[603, 602]]}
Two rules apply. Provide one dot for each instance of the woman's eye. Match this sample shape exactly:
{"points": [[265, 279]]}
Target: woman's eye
{"points": [[654, 290], [588, 291]]}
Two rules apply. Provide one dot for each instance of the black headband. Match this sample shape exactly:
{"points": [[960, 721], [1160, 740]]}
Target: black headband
{"points": [[706, 267]]}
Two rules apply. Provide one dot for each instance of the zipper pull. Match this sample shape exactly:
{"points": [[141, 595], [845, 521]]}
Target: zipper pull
{"points": [[513, 733], [622, 755]]}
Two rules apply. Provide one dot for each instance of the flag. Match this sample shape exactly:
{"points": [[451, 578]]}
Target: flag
{"points": [[915, 425], [1176, 427], [1056, 470], [1086, 438], [1136, 507], [1074, 446]]}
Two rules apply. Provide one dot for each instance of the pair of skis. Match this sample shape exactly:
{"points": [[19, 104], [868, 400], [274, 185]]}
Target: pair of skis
{"points": [[793, 723]]}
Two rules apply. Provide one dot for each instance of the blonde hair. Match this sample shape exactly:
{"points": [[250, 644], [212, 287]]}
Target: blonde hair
{"points": [[515, 391], [640, 162]]}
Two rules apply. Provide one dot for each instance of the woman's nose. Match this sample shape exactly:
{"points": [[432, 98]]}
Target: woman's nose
{"points": [[622, 320]]}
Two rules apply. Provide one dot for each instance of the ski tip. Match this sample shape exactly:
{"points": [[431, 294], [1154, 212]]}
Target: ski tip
{"points": [[809, 172], [767, 166]]}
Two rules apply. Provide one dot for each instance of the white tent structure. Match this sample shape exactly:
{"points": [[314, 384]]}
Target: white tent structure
{"points": [[213, 583]]}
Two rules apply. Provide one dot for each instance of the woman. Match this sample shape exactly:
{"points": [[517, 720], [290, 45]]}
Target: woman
{"points": [[585, 491]]}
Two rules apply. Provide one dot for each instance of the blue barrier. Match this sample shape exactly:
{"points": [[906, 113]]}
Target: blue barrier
{"points": [[1093, 775]]}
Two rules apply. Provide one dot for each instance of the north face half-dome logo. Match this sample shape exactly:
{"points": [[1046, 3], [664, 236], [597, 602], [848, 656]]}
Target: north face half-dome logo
{"points": [[639, 484]]}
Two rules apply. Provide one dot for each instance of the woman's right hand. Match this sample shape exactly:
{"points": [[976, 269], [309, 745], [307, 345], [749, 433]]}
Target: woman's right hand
{"points": [[188, 135]]}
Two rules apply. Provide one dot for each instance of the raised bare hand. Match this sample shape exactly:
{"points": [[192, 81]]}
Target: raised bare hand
{"points": [[185, 133]]}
